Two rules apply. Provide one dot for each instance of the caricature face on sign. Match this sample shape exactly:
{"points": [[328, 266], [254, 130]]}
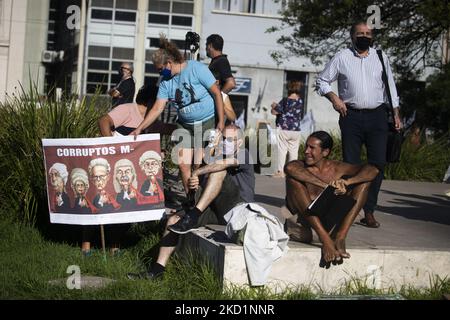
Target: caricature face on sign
{"points": [[100, 176], [56, 181], [103, 176], [80, 188], [150, 163], [80, 182], [151, 167], [125, 176], [58, 177]]}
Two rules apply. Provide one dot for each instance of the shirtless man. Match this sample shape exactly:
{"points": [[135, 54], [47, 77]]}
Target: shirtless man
{"points": [[304, 182]]}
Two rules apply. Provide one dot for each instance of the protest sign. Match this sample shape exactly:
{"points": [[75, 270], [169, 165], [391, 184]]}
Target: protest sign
{"points": [[105, 180]]}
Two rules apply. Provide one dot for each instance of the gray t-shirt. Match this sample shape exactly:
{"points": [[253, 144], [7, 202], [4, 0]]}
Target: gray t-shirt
{"points": [[244, 175]]}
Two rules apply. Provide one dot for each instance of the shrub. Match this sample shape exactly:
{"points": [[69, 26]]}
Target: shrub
{"points": [[25, 119], [426, 162]]}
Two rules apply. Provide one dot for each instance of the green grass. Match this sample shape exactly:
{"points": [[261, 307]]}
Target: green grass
{"points": [[29, 261]]}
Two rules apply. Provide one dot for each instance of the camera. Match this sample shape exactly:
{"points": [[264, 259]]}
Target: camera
{"points": [[192, 41]]}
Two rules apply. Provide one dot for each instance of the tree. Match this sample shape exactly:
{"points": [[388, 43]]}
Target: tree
{"points": [[436, 113], [411, 30]]}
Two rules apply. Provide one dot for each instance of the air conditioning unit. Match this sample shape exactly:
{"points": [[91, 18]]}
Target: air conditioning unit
{"points": [[49, 56]]}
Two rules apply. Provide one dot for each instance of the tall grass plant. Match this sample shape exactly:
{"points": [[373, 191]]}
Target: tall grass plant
{"points": [[425, 162], [25, 119]]}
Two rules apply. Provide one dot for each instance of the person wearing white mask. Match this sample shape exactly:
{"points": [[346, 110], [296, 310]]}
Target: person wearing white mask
{"points": [[230, 151], [231, 157], [228, 182], [243, 173]]}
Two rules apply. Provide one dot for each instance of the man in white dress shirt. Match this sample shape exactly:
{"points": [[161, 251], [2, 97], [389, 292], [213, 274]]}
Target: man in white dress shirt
{"points": [[362, 103]]}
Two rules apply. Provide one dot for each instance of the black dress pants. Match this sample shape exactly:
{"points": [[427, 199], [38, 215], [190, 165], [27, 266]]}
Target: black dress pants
{"points": [[369, 128]]}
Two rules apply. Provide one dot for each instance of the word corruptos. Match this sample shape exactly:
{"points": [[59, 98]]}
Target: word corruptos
{"points": [[89, 152]]}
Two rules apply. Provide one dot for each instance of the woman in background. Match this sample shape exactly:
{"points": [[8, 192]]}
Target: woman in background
{"points": [[289, 112]]}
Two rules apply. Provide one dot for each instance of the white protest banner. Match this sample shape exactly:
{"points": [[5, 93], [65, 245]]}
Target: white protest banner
{"points": [[106, 180]]}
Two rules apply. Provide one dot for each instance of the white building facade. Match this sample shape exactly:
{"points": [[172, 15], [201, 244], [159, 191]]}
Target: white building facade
{"points": [[243, 25], [109, 32]]}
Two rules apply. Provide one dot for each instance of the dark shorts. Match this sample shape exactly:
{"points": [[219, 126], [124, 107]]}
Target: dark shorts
{"points": [[328, 221], [194, 135]]}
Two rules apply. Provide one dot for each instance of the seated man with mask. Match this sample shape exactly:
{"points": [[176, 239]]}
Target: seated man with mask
{"points": [[236, 160], [217, 195]]}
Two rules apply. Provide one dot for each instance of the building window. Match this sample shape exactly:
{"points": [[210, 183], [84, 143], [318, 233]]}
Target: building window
{"points": [[158, 18], [112, 26], [126, 4], [249, 6], [183, 7], [182, 21], [123, 53], [98, 65], [125, 16], [101, 14], [103, 3], [171, 12], [99, 52], [222, 5], [243, 6], [173, 18], [159, 6]]}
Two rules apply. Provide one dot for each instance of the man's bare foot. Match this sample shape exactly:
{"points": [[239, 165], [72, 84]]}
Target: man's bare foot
{"points": [[295, 230], [330, 253], [340, 246]]}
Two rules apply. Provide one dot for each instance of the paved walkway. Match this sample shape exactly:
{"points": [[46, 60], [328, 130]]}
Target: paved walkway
{"points": [[413, 215]]}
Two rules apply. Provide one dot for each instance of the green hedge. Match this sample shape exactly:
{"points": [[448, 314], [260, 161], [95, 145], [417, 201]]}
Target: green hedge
{"points": [[25, 119], [427, 162]]}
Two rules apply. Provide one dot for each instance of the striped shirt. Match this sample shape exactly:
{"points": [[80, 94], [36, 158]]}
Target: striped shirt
{"points": [[360, 82]]}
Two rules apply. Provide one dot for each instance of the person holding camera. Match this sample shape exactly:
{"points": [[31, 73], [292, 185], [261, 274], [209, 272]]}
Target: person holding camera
{"points": [[221, 69], [192, 89]]}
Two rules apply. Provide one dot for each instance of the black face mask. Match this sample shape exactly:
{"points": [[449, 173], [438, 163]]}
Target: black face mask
{"points": [[363, 43], [120, 73]]}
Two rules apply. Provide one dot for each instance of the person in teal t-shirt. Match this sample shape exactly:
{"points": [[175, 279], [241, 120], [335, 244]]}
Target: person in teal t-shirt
{"points": [[191, 88]]}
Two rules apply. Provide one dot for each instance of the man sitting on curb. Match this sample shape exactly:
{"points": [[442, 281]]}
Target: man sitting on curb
{"points": [[220, 194], [306, 179]]}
